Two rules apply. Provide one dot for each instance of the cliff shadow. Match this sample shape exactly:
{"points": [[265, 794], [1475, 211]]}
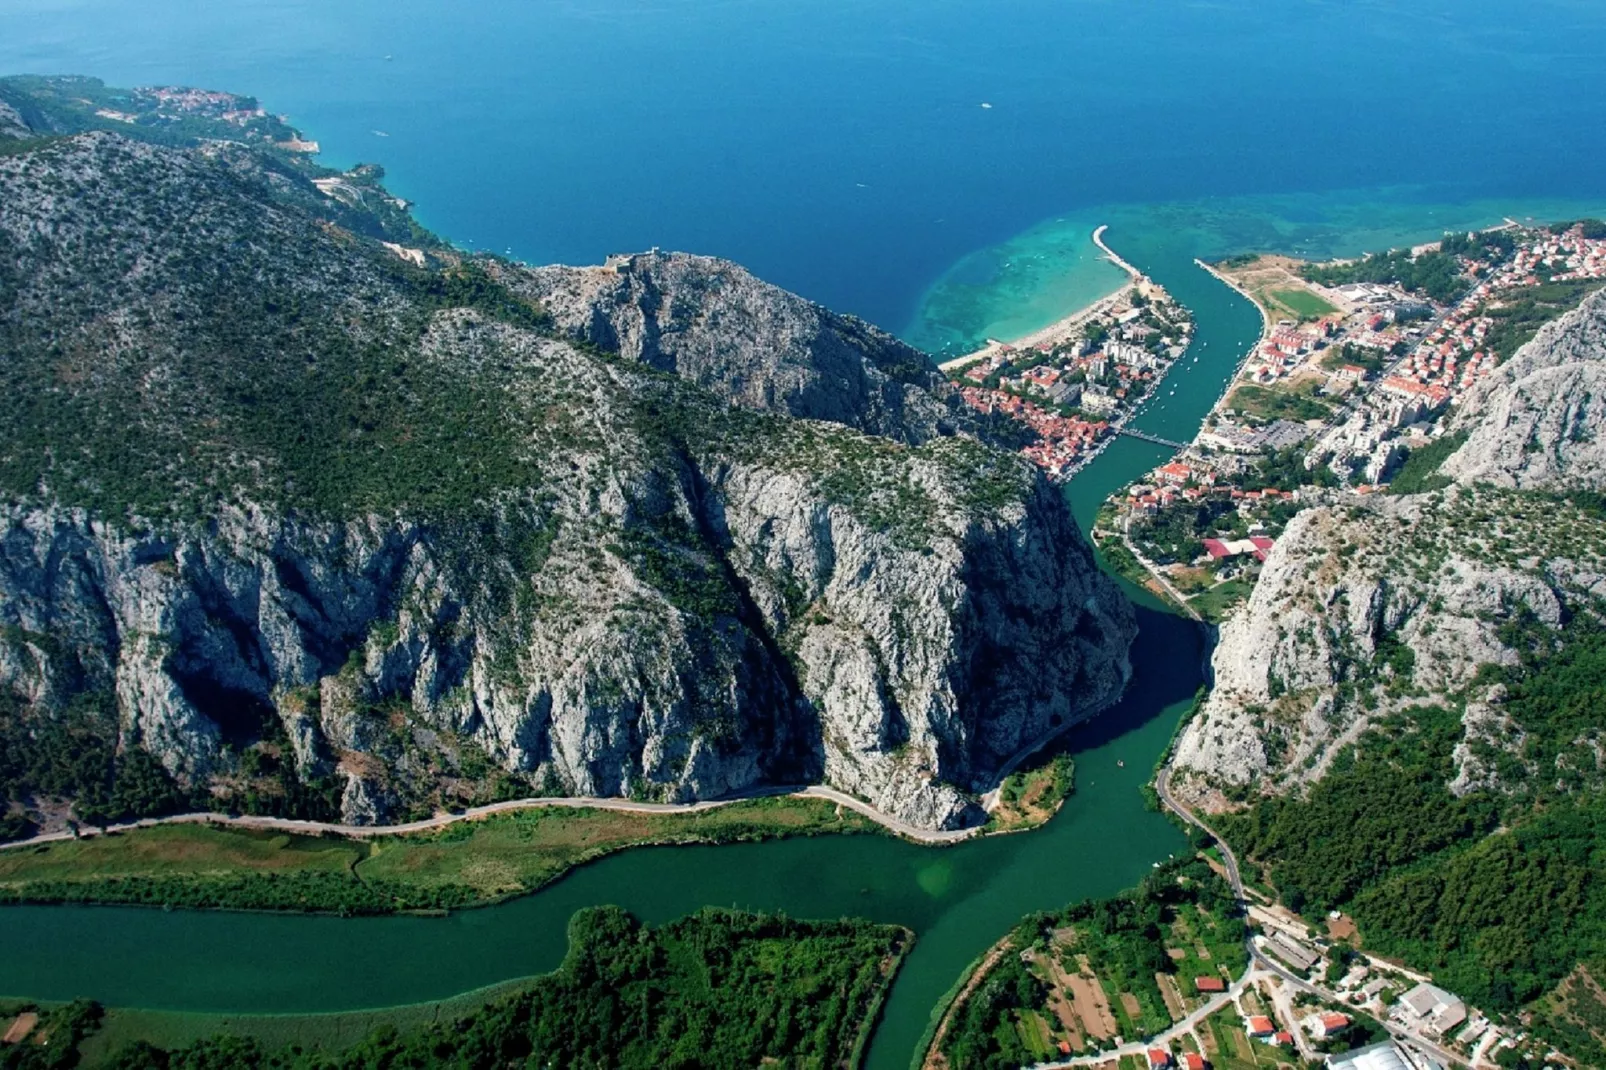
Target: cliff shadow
{"points": [[1169, 657]]}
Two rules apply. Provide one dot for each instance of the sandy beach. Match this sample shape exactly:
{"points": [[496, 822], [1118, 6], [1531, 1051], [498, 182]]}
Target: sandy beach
{"points": [[1060, 329]]}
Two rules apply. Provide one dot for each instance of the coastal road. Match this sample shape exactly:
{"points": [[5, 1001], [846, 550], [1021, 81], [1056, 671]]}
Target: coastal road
{"points": [[441, 820]]}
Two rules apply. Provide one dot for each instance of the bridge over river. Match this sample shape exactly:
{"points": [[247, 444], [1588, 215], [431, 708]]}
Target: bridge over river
{"points": [[1146, 437]]}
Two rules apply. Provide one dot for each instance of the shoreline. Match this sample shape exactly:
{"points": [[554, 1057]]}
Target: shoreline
{"points": [[444, 820], [1062, 326]]}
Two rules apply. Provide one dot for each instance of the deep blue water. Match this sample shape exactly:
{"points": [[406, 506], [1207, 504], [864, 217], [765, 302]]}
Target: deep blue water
{"points": [[839, 147]]}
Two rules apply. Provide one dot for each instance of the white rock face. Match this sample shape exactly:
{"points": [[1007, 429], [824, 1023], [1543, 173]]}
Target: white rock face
{"points": [[1537, 420], [712, 323], [1384, 602], [913, 672], [294, 493], [11, 124]]}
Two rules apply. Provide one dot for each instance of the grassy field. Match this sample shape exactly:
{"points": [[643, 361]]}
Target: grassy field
{"points": [[1293, 401], [518, 852], [469, 863], [1213, 604], [1029, 797], [1304, 304], [327, 1032]]}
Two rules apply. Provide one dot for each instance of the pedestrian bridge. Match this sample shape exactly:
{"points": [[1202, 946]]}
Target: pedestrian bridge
{"points": [[1156, 439]]}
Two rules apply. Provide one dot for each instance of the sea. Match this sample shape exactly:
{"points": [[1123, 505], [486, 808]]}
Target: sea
{"points": [[904, 160], [935, 166]]}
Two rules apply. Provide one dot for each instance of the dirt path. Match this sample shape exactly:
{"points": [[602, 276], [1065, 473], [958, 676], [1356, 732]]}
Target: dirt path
{"points": [[441, 820], [933, 1058]]}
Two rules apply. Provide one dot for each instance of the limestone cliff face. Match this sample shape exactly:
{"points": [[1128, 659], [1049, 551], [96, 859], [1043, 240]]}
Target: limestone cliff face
{"points": [[1375, 604], [1537, 421], [714, 324], [290, 499]]}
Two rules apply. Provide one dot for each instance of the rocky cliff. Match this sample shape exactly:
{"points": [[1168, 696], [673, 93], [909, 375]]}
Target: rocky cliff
{"points": [[714, 324], [300, 511], [1375, 605], [1538, 420]]}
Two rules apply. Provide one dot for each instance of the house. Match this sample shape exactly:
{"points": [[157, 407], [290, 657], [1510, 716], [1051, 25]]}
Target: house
{"points": [[1433, 1009], [1283, 1037], [1209, 984], [1291, 951], [1159, 1058], [1064, 1047], [1174, 473], [1258, 1025], [1322, 1026], [1352, 373], [1192, 1060]]}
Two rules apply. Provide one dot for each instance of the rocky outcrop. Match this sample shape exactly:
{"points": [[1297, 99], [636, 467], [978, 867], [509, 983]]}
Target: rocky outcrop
{"points": [[1366, 609], [11, 122], [295, 502], [712, 323], [1370, 606], [1538, 420]]}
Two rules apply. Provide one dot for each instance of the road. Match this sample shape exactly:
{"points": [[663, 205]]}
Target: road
{"points": [[1159, 577], [441, 820], [1162, 788]]}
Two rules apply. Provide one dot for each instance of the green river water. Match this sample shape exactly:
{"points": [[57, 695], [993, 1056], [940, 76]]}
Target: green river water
{"points": [[957, 899]]}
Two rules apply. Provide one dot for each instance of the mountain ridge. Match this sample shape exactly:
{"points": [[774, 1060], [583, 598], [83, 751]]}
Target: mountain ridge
{"points": [[332, 529]]}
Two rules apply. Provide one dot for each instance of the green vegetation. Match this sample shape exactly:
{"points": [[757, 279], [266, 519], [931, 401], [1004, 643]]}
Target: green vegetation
{"points": [[1029, 797], [1437, 274], [1419, 473], [1588, 228], [1214, 604], [1304, 304], [53, 1042], [1117, 946], [1296, 401], [1498, 893], [465, 864], [1365, 357], [1519, 318], [74, 755], [717, 989]]}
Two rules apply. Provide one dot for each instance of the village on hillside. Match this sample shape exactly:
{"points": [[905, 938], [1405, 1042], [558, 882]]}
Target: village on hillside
{"points": [[1348, 390]]}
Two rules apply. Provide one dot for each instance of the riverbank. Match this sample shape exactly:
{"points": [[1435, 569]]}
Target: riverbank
{"points": [[299, 827], [489, 859], [612, 960]]}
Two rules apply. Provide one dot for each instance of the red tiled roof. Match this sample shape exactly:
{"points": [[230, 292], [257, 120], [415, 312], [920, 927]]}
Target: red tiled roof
{"points": [[1209, 984]]}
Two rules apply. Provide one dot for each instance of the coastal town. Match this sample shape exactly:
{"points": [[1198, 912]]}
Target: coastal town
{"points": [[1348, 391], [1075, 384]]}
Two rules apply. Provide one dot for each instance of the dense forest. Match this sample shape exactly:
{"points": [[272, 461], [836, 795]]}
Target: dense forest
{"points": [[717, 989], [1499, 893]]}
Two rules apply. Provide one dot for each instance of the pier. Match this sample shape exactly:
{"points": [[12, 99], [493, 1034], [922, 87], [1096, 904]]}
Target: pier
{"points": [[1144, 436]]}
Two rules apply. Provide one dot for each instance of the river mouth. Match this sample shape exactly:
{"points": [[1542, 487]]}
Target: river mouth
{"points": [[958, 899]]}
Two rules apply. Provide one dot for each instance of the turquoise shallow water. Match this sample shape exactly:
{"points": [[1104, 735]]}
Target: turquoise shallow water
{"points": [[840, 148]]}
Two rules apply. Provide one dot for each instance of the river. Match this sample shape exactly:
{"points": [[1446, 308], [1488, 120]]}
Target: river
{"points": [[958, 899]]}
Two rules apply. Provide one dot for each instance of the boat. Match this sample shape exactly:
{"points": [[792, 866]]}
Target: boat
{"points": [[1120, 763]]}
